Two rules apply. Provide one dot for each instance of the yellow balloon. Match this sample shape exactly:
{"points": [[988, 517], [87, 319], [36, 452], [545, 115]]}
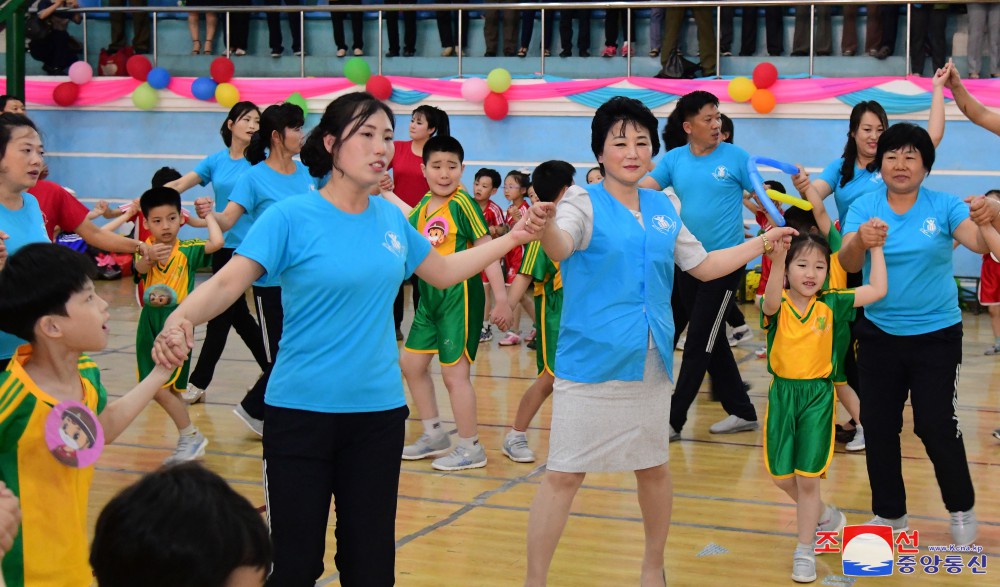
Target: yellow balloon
{"points": [[790, 200], [227, 95], [741, 89], [498, 80]]}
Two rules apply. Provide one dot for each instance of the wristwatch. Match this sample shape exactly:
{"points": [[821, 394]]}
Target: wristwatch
{"points": [[768, 247]]}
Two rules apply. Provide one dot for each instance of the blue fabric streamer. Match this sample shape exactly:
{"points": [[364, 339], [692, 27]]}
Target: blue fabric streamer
{"points": [[407, 97], [893, 103]]}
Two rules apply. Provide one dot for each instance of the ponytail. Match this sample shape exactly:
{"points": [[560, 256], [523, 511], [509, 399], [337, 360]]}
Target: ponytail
{"points": [[275, 119]]}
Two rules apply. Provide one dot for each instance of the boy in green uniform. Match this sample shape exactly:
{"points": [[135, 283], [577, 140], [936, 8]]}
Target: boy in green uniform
{"points": [[802, 351], [53, 409], [447, 321], [167, 276], [550, 180]]}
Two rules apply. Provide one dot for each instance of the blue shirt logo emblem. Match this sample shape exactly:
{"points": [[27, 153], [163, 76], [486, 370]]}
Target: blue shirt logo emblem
{"points": [[664, 224], [392, 243], [930, 227]]}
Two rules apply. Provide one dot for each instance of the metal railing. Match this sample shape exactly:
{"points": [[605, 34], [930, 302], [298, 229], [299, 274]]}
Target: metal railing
{"points": [[542, 7]]}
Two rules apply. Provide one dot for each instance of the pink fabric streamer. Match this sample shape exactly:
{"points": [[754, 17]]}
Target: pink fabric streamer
{"points": [[785, 91], [986, 91], [264, 92], [95, 92], [558, 89]]}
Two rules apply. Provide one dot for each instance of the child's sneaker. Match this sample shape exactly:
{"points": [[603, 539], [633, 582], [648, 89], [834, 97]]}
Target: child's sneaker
{"points": [[803, 568], [898, 524], [964, 527], [531, 336], [253, 423], [740, 334], [993, 350], [486, 334], [761, 353], [193, 395], [426, 447], [189, 448], [510, 339], [834, 521], [609, 51], [462, 458], [858, 442], [515, 446]]}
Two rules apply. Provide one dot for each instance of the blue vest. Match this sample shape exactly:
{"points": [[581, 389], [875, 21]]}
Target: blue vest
{"points": [[618, 290]]}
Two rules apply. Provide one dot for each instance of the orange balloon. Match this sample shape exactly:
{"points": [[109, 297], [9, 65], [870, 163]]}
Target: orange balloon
{"points": [[763, 101]]}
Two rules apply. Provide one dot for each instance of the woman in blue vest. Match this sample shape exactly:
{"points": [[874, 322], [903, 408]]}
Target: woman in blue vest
{"points": [[617, 245]]}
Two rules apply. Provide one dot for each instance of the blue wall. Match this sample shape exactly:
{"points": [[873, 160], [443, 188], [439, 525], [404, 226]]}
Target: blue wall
{"points": [[104, 154]]}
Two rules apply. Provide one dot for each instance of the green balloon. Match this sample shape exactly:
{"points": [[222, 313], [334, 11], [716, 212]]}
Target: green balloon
{"points": [[145, 97], [498, 80], [297, 99], [357, 70]]}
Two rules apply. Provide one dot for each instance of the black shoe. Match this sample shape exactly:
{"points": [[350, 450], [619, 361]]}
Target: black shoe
{"points": [[584, 53], [392, 53], [490, 54], [883, 53], [800, 54], [566, 53], [409, 52]]}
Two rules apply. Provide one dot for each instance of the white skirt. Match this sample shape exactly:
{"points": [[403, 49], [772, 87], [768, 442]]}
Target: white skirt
{"points": [[611, 426]]}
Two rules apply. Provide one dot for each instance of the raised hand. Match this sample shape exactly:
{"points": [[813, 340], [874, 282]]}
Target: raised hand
{"points": [[203, 206], [983, 210], [801, 180], [873, 233]]}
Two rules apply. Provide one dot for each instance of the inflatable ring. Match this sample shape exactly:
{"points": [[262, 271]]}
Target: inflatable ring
{"points": [[758, 183], [790, 200]]}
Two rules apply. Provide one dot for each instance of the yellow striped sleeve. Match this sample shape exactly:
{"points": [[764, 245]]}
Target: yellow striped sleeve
{"points": [[472, 212], [12, 393], [530, 257]]}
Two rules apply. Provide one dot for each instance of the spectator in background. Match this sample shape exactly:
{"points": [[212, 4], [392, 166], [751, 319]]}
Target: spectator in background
{"points": [[211, 22], [823, 39], [491, 22], [274, 28], [889, 19], [927, 24], [873, 30], [140, 27], [582, 34], [357, 29], [773, 24], [448, 22], [673, 18], [984, 19], [528, 28], [56, 50], [409, 32], [239, 27], [613, 19], [12, 104]]}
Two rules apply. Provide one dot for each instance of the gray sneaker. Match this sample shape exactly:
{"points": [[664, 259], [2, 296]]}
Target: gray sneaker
{"points": [[803, 568], [674, 435], [426, 447], [733, 424], [993, 350], [996, 434], [461, 458], [963, 527], [189, 448], [898, 524], [835, 520], [252, 423], [515, 446], [193, 395], [858, 442]]}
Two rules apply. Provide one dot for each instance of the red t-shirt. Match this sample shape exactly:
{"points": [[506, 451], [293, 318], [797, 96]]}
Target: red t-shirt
{"points": [[411, 185], [59, 207], [494, 217], [516, 255]]}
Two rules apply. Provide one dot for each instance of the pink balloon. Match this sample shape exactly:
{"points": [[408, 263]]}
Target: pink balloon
{"points": [[475, 89], [80, 72]]}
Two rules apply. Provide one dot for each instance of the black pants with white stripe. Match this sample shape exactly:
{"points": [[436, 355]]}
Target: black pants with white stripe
{"points": [[925, 367], [702, 307], [270, 317], [311, 457]]}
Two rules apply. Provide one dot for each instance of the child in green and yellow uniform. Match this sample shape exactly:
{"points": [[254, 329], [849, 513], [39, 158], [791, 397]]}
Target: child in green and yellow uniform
{"points": [[167, 276], [447, 321], [47, 298], [550, 181], [802, 354]]}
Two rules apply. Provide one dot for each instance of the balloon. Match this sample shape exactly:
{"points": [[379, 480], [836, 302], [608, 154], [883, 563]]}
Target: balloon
{"points": [[357, 70], [498, 80], [782, 197], [475, 89], [81, 72], [740, 89], [379, 86], [764, 75], [158, 78], [763, 101], [66, 93], [297, 99], [227, 95], [145, 97], [495, 106], [758, 183], [138, 66], [222, 69], [203, 88]]}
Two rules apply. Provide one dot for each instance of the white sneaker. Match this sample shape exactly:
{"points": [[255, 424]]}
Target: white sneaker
{"points": [[964, 527], [732, 424], [898, 524], [193, 395], [462, 458], [680, 343], [803, 568], [253, 423], [515, 446], [674, 435], [426, 447], [835, 520], [740, 334], [189, 448], [858, 442]]}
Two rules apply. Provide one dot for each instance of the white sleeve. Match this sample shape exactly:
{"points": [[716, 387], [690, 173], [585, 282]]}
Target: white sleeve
{"points": [[688, 252], [575, 215]]}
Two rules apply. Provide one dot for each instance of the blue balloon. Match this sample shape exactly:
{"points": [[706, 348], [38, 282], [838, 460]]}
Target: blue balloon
{"points": [[758, 183], [158, 78], [203, 88]]}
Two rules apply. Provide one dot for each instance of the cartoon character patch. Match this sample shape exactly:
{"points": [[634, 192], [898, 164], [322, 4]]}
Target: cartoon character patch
{"points": [[74, 434], [159, 295], [436, 230]]}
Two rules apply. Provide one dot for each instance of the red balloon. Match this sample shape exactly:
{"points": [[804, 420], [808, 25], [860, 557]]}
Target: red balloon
{"points": [[764, 75], [495, 106], [66, 93], [222, 69], [138, 66], [379, 86]]}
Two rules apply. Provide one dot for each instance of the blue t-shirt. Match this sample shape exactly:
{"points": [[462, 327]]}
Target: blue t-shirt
{"points": [[23, 227], [863, 182], [260, 187], [222, 171], [339, 275], [923, 296], [710, 188]]}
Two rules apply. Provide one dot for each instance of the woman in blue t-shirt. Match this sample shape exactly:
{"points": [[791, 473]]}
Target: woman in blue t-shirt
{"points": [[21, 221], [223, 169], [335, 406], [910, 342], [273, 176]]}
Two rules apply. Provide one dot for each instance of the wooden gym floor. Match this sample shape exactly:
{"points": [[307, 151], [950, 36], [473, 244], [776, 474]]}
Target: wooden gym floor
{"points": [[731, 525]]}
